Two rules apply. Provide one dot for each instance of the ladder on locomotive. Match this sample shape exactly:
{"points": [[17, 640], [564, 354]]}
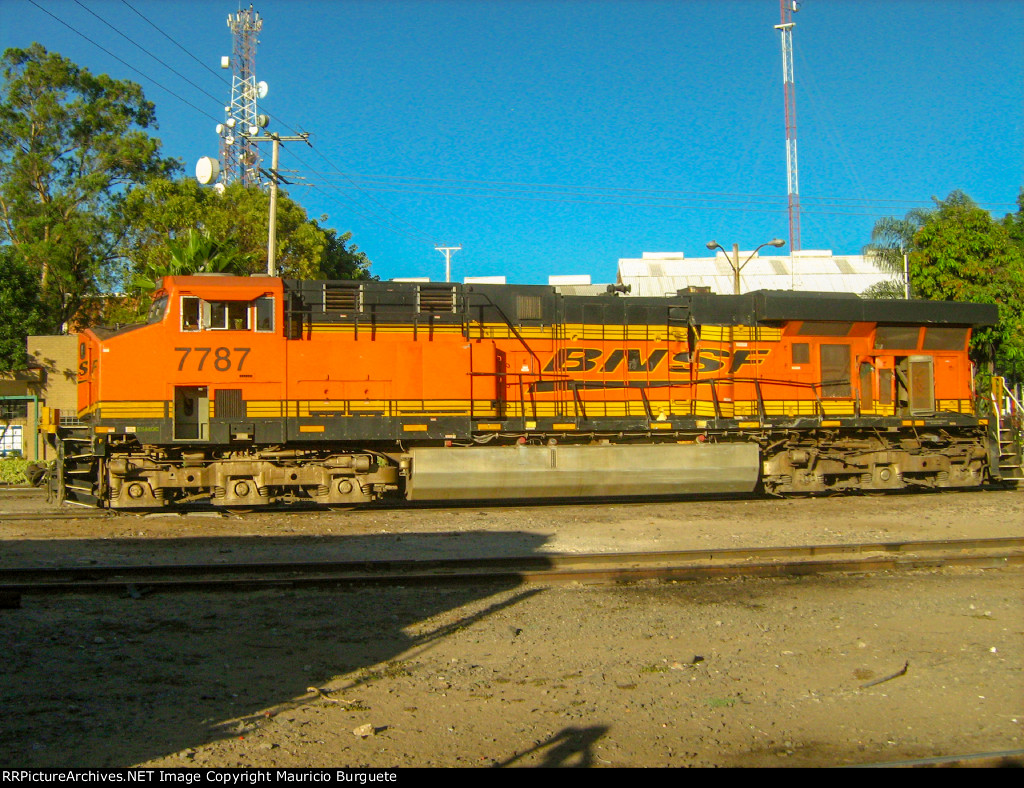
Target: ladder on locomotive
{"points": [[1008, 432], [74, 477]]}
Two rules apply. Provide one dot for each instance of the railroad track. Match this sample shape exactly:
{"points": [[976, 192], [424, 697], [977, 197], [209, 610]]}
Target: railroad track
{"points": [[79, 512], [538, 568]]}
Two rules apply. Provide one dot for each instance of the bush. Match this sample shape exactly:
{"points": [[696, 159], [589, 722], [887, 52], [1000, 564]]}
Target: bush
{"points": [[12, 471]]}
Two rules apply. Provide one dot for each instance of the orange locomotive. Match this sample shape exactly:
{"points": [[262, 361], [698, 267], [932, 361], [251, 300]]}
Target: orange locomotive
{"points": [[256, 390]]}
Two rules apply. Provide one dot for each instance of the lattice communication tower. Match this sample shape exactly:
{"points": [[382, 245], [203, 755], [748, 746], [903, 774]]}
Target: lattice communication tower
{"points": [[239, 156], [788, 8]]}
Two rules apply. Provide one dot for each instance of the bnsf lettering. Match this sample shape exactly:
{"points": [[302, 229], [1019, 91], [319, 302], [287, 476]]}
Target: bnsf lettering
{"points": [[85, 366], [741, 357], [634, 360], [709, 360], [574, 360]]}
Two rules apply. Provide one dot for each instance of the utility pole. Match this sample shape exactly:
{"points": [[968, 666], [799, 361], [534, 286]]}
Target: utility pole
{"points": [[276, 139], [447, 252], [788, 8]]}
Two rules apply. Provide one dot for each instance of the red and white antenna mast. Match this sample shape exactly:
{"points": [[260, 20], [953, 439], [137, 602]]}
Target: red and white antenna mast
{"points": [[788, 8]]}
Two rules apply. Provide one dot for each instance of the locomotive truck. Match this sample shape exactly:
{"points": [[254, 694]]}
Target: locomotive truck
{"points": [[246, 392]]}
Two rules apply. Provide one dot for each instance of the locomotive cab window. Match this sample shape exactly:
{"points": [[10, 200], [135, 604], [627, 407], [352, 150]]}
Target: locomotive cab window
{"points": [[264, 313], [157, 310], [190, 313], [226, 315]]}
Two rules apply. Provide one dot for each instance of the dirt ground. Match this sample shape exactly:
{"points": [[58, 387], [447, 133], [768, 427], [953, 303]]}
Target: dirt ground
{"points": [[725, 673]]}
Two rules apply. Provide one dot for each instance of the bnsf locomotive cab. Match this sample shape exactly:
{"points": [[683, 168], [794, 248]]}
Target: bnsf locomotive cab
{"points": [[205, 338], [250, 391]]}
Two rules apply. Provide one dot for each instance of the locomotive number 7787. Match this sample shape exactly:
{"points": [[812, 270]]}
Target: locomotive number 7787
{"points": [[222, 358]]}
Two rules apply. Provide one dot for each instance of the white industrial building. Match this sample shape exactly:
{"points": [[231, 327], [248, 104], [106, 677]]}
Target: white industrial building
{"points": [[662, 273], [666, 273]]}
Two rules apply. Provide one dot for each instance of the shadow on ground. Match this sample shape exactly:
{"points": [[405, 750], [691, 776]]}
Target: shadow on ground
{"points": [[107, 680]]}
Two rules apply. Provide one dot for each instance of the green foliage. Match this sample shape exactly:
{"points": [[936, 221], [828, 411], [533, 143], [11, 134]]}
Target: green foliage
{"points": [[89, 206], [891, 239], [71, 145], [958, 252], [963, 254], [197, 253], [20, 309], [12, 470], [166, 209], [890, 288], [340, 261]]}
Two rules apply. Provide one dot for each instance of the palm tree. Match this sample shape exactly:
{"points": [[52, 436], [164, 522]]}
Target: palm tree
{"points": [[199, 253], [892, 241]]}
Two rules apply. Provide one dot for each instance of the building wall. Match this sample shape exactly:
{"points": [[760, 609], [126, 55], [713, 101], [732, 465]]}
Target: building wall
{"points": [[57, 356], [50, 381], [19, 412]]}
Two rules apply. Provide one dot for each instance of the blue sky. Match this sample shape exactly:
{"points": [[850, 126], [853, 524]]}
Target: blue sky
{"points": [[554, 137]]}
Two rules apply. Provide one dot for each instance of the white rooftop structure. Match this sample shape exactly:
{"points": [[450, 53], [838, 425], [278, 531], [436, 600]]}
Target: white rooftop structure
{"points": [[662, 273], [569, 279]]}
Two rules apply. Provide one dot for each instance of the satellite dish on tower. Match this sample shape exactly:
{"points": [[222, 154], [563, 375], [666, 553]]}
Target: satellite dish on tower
{"points": [[261, 89], [229, 140], [207, 170]]}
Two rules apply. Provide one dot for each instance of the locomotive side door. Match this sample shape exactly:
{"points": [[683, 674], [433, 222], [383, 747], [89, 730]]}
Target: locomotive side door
{"points": [[191, 413], [922, 385], [915, 385]]}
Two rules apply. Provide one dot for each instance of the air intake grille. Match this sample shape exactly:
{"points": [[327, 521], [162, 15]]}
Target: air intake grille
{"points": [[528, 307], [228, 404], [436, 299], [343, 298]]}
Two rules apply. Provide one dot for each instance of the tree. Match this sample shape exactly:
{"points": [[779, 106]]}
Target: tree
{"points": [[340, 261], [166, 209], [71, 145], [890, 288], [891, 239], [962, 254], [198, 253], [20, 307]]}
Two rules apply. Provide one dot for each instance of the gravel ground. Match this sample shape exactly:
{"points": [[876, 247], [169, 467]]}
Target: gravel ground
{"points": [[726, 673]]}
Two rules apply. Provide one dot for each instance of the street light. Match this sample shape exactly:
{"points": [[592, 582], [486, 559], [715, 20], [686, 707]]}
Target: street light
{"points": [[734, 261]]}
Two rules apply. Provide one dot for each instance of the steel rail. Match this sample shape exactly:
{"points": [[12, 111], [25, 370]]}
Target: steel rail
{"points": [[536, 569], [71, 511], [1005, 758]]}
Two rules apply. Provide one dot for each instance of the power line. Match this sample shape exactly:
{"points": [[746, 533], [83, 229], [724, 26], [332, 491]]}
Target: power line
{"points": [[895, 203], [420, 235], [630, 197], [122, 62], [148, 21], [154, 57]]}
